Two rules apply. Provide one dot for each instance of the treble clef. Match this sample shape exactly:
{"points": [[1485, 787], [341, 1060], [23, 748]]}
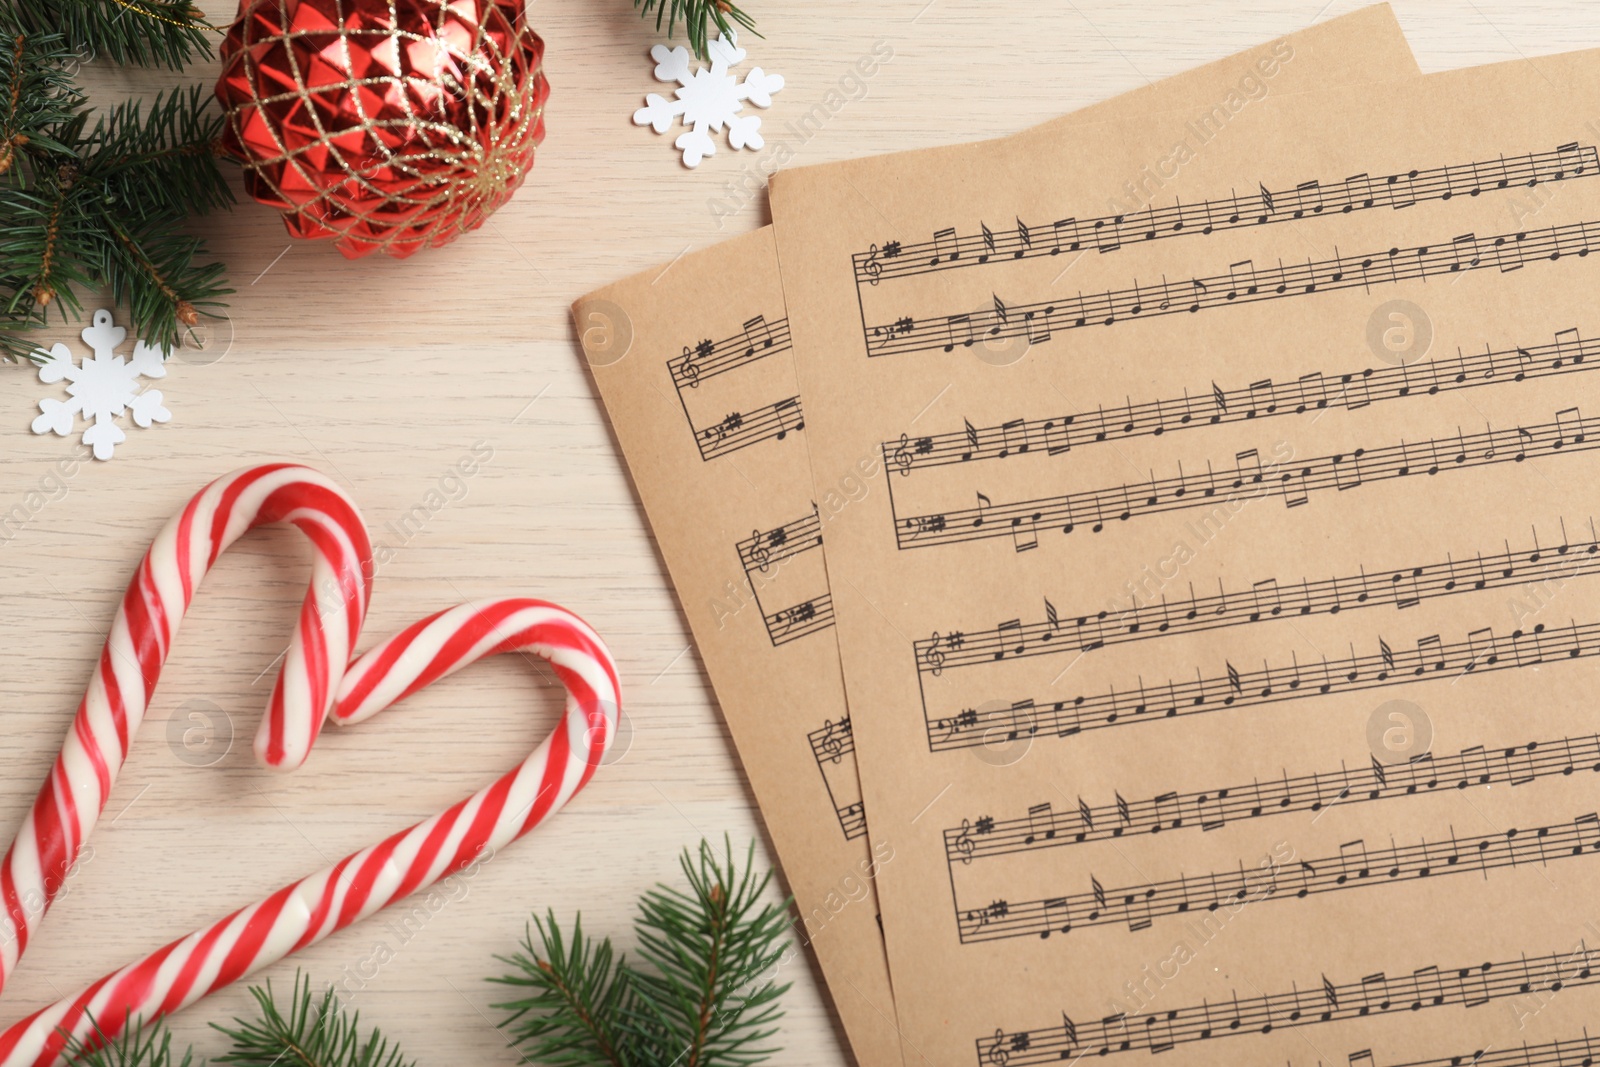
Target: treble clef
{"points": [[997, 1052], [901, 457], [690, 370], [933, 657], [872, 268], [963, 843], [831, 745], [758, 551]]}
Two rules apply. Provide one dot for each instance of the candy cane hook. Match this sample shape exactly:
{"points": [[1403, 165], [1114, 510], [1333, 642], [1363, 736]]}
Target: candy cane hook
{"points": [[76, 790]]}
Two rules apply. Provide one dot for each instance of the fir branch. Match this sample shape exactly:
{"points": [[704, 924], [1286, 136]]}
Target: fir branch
{"points": [[708, 1000], [315, 1033], [84, 208], [39, 96], [163, 162], [47, 248], [153, 269], [697, 16], [579, 995], [146, 33]]}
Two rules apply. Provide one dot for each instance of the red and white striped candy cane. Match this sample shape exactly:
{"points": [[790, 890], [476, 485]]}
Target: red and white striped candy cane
{"points": [[141, 635], [367, 881]]}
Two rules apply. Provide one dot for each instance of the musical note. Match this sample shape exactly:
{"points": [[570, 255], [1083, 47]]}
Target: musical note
{"points": [[1264, 206], [1057, 918], [1239, 688], [1244, 269], [1013, 438], [1024, 241], [1041, 824], [707, 358], [1353, 867], [1569, 427], [988, 243], [1568, 354], [788, 417], [741, 429], [1308, 198], [1215, 807], [983, 503], [1024, 532], [757, 334], [1343, 471], [973, 446], [1244, 282], [958, 331], [1065, 231], [1108, 233], [1314, 1003]]}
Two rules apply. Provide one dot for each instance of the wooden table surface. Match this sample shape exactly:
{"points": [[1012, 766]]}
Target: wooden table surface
{"points": [[386, 374]]}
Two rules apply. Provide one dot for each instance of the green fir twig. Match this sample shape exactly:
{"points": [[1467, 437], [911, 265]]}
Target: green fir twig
{"points": [[137, 1046], [581, 996], [707, 998], [314, 1033], [90, 201], [697, 16], [146, 33]]}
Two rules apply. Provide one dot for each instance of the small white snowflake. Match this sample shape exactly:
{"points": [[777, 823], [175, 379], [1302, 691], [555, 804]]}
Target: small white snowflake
{"points": [[101, 388], [708, 99]]}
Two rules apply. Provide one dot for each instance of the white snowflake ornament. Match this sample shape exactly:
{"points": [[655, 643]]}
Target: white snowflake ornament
{"points": [[708, 99], [101, 388]]}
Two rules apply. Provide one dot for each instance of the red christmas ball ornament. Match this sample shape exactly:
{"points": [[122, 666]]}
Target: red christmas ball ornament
{"points": [[388, 125]]}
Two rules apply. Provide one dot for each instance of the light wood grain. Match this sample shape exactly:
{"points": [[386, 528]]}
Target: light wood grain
{"points": [[384, 374]]}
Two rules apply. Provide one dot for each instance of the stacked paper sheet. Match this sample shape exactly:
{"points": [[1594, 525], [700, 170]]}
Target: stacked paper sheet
{"points": [[1145, 562]]}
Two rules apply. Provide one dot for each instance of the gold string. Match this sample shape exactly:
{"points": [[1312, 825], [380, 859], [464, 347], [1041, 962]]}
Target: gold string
{"points": [[136, 9]]}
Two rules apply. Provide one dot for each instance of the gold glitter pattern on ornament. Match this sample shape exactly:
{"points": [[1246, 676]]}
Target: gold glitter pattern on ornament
{"points": [[387, 125]]}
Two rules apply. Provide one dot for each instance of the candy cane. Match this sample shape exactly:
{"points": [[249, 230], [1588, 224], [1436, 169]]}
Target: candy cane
{"points": [[367, 881], [75, 793]]}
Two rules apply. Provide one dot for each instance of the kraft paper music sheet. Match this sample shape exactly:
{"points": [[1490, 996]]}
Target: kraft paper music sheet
{"points": [[1219, 625], [707, 412]]}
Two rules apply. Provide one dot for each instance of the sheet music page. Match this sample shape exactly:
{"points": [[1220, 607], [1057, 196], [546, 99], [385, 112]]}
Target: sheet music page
{"points": [[1217, 631], [706, 408]]}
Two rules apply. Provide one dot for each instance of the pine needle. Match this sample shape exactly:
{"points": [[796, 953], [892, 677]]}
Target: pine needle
{"points": [[87, 207], [145, 33], [136, 1046], [707, 999], [580, 995], [314, 1033]]}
